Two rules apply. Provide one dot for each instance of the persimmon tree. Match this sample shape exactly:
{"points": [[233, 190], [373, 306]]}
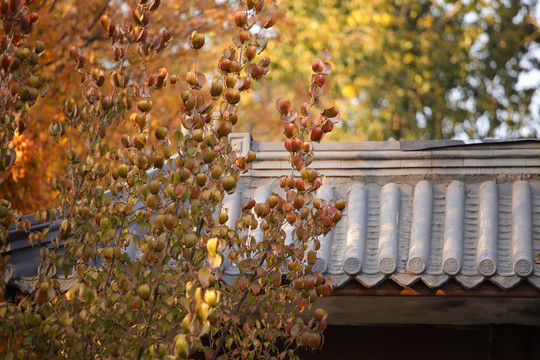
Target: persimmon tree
{"points": [[20, 87], [161, 192], [60, 26]]}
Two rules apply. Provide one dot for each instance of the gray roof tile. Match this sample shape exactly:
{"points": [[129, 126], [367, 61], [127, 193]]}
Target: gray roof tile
{"points": [[442, 211], [474, 232]]}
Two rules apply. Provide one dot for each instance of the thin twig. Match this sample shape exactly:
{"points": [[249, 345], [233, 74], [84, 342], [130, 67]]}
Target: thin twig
{"points": [[99, 14], [154, 301]]}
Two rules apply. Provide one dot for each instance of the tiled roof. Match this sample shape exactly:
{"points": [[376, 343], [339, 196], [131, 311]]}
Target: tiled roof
{"points": [[417, 211], [448, 210], [430, 231]]}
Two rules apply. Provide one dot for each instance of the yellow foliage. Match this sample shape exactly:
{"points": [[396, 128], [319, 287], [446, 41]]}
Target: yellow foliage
{"points": [[349, 91]]}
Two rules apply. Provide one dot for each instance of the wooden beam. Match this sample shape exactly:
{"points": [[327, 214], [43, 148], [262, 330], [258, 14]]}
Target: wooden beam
{"points": [[451, 289]]}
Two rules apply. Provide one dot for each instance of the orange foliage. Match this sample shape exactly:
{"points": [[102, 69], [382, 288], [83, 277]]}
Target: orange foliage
{"points": [[63, 23]]}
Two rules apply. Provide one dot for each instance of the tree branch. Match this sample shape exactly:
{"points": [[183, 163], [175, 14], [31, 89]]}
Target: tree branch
{"points": [[235, 312]]}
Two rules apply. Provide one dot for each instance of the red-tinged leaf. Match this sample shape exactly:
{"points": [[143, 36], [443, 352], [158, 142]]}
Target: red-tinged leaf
{"points": [[327, 69], [201, 79], [253, 244], [304, 108], [248, 69], [136, 17], [155, 5], [330, 112], [264, 62], [290, 195], [198, 156], [336, 118], [255, 287], [248, 203], [283, 105], [301, 302], [12, 157], [290, 117], [236, 40], [325, 55], [239, 83]]}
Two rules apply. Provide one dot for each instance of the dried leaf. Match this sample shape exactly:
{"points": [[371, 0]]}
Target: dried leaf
{"points": [[295, 330], [327, 69], [236, 40], [301, 302], [248, 69], [290, 195], [227, 53], [336, 118], [330, 112], [261, 44], [290, 118], [325, 55], [309, 198], [255, 287], [201, 79], [44, 89], [309, 159], [251, 21], [155, 5], [215, 260], [240, 81], [136, 17], [204, 277]]}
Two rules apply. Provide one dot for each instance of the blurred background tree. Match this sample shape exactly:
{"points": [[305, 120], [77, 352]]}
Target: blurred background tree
{"points": [[418, 69], [403, 70]]}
